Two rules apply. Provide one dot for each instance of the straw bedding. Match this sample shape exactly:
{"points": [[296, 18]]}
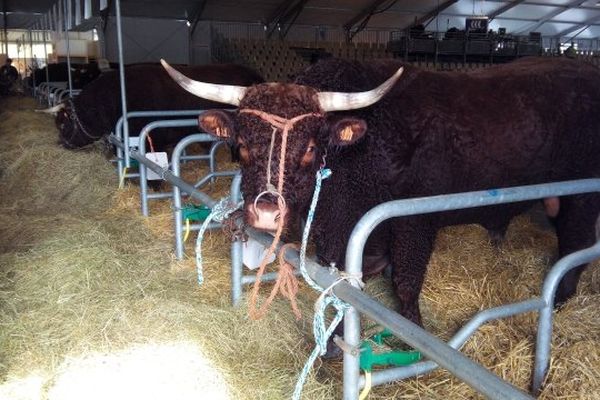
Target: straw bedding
{"points": [[91, 293]]}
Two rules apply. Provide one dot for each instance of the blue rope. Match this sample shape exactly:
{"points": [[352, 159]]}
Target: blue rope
{"points": [[327, 298], [220, 211]]}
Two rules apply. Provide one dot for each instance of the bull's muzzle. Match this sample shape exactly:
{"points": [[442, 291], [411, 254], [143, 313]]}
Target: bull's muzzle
{"points": [[265, 215]]}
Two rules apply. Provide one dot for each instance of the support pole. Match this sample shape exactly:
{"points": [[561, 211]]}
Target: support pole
{"points": [[47, 68], [5, 19], [122, 79], [67, 27], [32, 62]]}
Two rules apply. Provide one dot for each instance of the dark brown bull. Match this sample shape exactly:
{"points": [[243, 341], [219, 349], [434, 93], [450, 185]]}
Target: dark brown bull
{"points": [[529, 122], [95, 111]]}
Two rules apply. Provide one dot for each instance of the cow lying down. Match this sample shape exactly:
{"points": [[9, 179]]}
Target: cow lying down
{"points": [[388, 134], [93, 114]]}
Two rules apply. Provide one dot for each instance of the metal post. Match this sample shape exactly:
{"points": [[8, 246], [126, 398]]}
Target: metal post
{"points": [[177, 203], [67, 27], [31, 60], [236, 248], [5, 19], [122, 78], [47, 68], [351, 362]]}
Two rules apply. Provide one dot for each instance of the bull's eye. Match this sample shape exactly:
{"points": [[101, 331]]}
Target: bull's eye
{"points": [[309, 155], [243, 152]]}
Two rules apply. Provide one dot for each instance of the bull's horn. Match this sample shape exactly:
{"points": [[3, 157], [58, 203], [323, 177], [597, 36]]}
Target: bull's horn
{"points": [[52, 110], [228, 94], [338, 101]]}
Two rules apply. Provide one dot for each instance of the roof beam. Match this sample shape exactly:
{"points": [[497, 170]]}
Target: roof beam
{"points": [[432, 14], [543, 3], [292, 11], [583, 26], [196, 14], [279, 12], [293, 14], [549, 16], [370, 9], [504, 9]]}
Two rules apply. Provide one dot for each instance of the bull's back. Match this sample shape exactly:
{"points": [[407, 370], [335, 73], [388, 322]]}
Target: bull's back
{"points": [[521, 123]]}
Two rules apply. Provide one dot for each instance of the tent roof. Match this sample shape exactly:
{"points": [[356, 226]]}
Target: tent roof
{"points": [[550, 17]]}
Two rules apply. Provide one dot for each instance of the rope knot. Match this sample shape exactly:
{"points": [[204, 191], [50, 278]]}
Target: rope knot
{"points": [[220, 211], [353, 279]]}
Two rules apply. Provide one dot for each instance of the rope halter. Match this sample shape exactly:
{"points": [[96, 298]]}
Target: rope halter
{"points": [[285, 279]]}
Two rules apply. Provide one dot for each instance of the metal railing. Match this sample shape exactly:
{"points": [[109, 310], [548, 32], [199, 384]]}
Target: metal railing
{"points": [[439, 353]]}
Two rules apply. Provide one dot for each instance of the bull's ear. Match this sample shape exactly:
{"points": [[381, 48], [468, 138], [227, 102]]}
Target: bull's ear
{"points": [[218, 123], [346, 130]]}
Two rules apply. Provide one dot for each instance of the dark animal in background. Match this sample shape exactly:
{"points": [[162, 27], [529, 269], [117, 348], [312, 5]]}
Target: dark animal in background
{"points": [[95, 111], [81, 74], [528, 122]]}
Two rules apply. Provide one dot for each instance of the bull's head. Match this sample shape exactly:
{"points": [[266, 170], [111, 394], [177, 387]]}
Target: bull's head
{"points": [[270, 114], [72, 134]]}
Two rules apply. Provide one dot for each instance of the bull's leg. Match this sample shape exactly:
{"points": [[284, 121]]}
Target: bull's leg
{"points": [[575, 228], [411, 249]]}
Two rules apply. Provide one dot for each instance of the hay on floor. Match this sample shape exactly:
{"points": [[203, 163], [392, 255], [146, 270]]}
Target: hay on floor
{"points": [[86, 281]]}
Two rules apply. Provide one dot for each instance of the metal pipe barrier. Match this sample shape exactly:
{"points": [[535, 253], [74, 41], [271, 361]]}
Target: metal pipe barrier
{"points": [[144, 195], [432, 347], [400, 208], [142, 150], [176, 159], [48, 89], [122, 73], [237, 277], [65, 93], [122, 139], [44, 33], [444, 355], [40, 91]]}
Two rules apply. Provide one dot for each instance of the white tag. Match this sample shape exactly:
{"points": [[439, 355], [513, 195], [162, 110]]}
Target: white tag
{"points": [[134, 141], [159, 158], [253, 254]]}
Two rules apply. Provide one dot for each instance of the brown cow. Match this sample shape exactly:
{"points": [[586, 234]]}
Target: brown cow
{"points": [[528, 122]]}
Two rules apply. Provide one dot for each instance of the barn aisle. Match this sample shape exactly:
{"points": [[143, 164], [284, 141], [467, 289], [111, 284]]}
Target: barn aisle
{"points": [[93, 305]]}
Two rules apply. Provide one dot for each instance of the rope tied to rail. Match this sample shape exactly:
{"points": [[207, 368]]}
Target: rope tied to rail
{"points": [[327, 298], [286, 280], [220, 212]]}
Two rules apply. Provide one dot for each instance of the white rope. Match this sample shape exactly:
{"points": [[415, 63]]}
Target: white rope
{"points": [[220, 211], [327, 297]]}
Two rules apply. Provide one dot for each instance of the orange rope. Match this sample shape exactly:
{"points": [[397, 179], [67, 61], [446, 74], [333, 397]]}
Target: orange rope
{"points": [[150, 143], [286, 281]]}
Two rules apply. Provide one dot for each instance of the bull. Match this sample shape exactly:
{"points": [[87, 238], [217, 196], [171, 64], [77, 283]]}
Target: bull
{"points": [[81, 74], [424, 133], [95, 111]]}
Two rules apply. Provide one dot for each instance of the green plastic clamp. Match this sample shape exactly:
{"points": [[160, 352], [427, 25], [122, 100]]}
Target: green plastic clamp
{"points": [[195, 213], [368, 358]]}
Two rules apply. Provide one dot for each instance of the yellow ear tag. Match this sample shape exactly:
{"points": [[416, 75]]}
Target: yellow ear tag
{"points": [[346, 134]]}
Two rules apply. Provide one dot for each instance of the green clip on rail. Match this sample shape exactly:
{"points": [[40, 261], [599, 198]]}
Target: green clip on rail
{"points": [[368, 358], [193, 212]]}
